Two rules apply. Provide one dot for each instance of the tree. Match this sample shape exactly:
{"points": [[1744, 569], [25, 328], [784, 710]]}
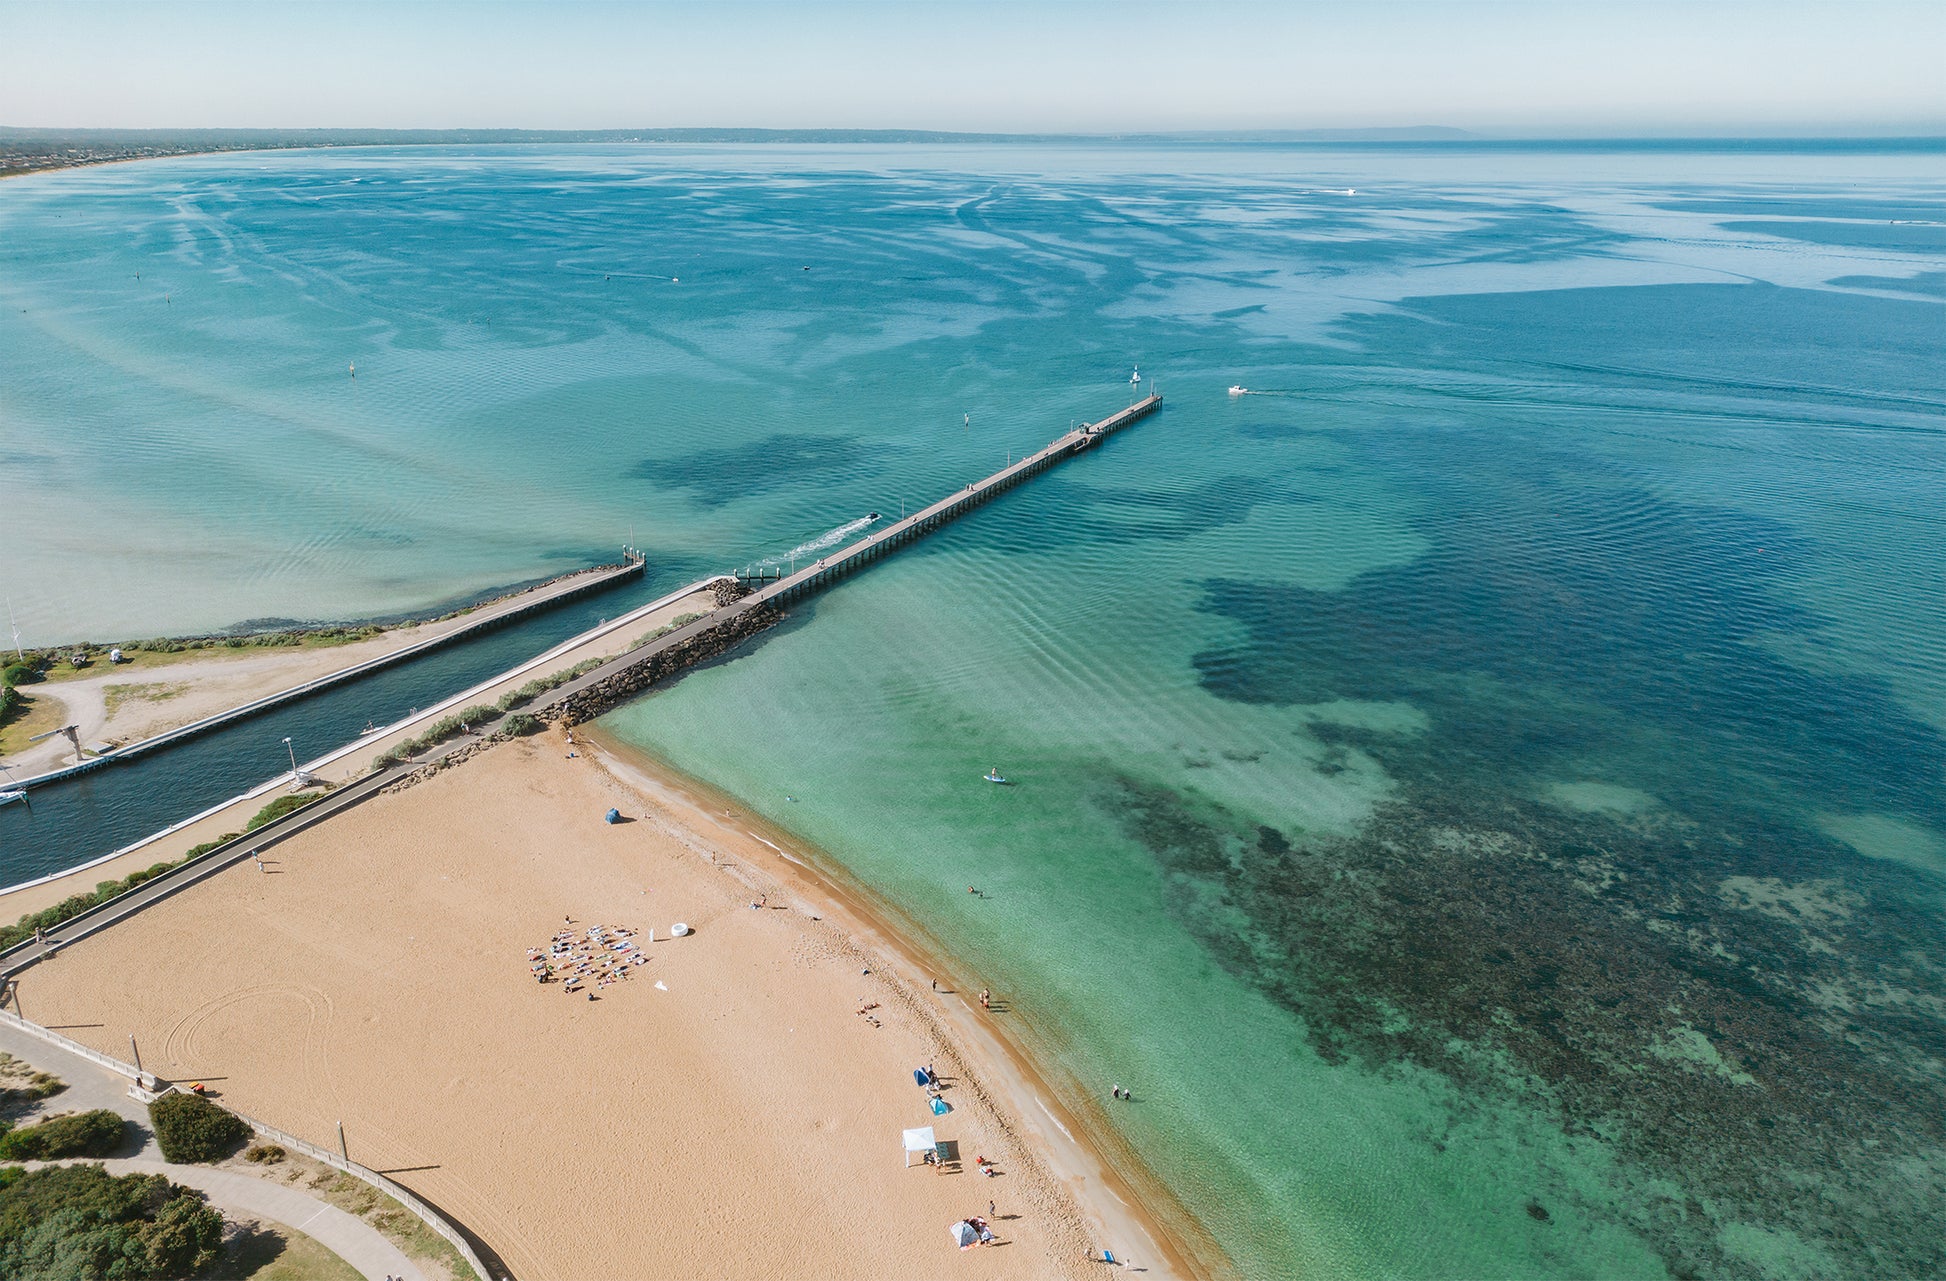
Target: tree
{"points": [[77, 1223]]}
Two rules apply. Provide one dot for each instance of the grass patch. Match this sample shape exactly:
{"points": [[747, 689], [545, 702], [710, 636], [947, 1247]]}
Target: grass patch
{"points": [[30, 716], [162, 651], [115, 697], [23, 1083], [401, 1226], [267, 1253]]}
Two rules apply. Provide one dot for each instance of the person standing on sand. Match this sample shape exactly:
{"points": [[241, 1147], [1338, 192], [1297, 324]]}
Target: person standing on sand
{"points": [[985, 1002]]}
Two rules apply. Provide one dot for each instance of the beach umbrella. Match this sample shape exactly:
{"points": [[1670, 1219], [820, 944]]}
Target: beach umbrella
{"points": [[613, 816], [964, 1234], [919, 1075]]}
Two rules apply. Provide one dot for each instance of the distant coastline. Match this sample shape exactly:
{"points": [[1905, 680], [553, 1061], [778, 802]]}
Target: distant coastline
{"points": [[24, 150]]}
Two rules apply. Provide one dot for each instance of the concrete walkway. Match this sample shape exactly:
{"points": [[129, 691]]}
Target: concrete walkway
{"points": [[238, 1196]]}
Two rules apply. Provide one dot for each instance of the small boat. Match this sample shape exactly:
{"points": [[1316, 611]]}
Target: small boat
{"points": [[13, 794], [1135, 377], [1238, 389], [994, 775], [871, 515]]}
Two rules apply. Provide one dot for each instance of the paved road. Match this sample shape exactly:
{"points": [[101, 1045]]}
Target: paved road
{"points": [[238, 1196]]}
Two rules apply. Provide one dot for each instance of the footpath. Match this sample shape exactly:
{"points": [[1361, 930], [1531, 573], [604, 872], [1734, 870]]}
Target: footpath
{"points": [[238, 1196]]}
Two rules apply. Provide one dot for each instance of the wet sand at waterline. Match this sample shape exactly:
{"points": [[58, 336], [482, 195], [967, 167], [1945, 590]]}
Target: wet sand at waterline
{"points": [[741, 1120]]}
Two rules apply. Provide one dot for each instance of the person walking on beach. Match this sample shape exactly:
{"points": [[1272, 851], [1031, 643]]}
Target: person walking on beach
{"points": [[259, 858], [985, 1001]]}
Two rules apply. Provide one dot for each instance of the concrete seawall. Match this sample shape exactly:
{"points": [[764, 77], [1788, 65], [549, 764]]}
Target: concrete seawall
{"points": [[544, 596]]}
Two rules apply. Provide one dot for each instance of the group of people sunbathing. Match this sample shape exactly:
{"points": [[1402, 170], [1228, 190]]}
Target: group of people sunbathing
{"points": [[601, 955]]}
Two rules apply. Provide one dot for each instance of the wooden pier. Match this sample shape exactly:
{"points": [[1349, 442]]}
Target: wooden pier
{"points": [[781, 589]]}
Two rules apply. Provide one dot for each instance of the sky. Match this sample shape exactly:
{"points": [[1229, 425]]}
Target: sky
{"points": [[1547, 68]]}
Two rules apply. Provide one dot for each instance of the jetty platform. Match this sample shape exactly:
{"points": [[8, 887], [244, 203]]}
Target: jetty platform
{"points": [[790, 587]]}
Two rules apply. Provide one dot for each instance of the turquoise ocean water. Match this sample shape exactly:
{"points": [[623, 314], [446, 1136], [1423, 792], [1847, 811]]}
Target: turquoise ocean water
{"points": [[1482, 789]]}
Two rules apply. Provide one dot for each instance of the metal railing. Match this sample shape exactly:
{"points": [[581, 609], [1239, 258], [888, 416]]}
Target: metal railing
{"points": [[432, 1218]]}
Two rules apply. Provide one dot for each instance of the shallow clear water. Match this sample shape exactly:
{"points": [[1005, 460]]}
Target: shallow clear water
{"points": [[1481, 790]]}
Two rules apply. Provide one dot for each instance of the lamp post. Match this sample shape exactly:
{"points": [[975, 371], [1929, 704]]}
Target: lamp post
{"points": [[293, 752]]}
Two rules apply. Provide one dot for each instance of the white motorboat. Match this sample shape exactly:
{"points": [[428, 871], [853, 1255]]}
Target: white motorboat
{"points": [[13, 794], [1239, 389]]}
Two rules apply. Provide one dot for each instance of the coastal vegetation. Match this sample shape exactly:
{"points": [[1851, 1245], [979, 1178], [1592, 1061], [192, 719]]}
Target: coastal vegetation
{"points": [[277, 809], [441, 730], [190, 1129], [95, 1133], [71, 1221], [75, 904], [541, 684], [23, 1083]]}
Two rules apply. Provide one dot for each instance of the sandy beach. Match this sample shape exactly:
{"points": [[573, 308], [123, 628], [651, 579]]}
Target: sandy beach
{"points": [[725, 1110]]}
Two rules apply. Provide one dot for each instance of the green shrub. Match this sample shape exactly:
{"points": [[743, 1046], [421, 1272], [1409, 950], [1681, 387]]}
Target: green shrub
{"points": [[190, 1128], [96, 1133], [78, 1221], [521, 724], [21, 673], [277, 809], [265, 1154], [11, 701]]}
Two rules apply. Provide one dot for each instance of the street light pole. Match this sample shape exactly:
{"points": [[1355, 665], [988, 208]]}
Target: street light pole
{"points": [[293, 752]]}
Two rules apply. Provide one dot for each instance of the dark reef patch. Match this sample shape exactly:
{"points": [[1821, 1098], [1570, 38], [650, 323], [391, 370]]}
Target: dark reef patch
{"points": [[1658, 986], [718, 476], [1742, 1008]]}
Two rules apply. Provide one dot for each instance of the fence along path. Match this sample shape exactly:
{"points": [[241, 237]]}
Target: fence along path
{"points": [[142, 1083]]}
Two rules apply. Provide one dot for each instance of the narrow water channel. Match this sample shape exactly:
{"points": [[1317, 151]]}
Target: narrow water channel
{"points": [[67, 823]]}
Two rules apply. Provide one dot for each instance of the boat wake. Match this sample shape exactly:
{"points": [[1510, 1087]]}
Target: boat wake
{"points": [[828, 539]]}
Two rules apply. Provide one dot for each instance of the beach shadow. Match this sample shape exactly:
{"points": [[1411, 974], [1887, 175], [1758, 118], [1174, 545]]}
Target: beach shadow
{"points": [[250, 1251], [622, 820], [63, 1027], [407, 1169]]}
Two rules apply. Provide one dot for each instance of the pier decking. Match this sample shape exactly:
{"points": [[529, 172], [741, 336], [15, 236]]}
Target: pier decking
{"points": [[593, 693], [805, 581]]}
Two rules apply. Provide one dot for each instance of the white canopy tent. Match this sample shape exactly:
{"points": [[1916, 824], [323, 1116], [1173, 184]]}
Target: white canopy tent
{"points": [[919, 1140]]}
